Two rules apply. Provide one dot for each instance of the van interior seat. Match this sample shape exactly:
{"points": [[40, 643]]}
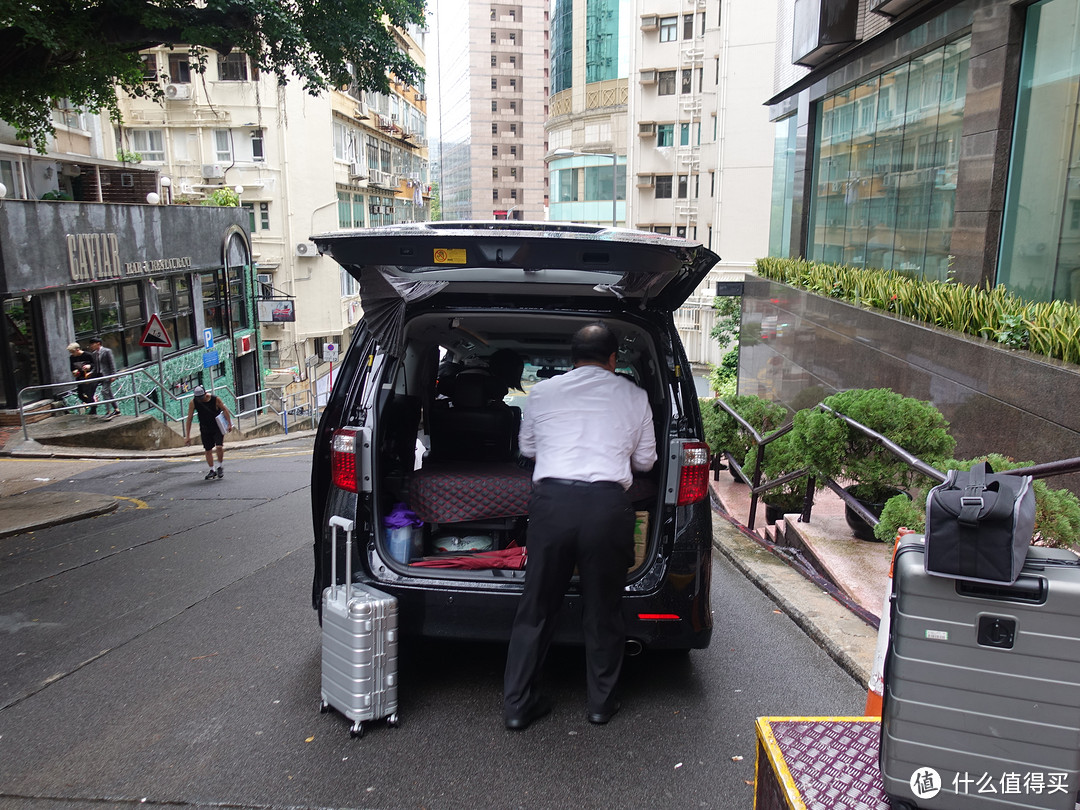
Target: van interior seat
{"points": [[472, 426]]}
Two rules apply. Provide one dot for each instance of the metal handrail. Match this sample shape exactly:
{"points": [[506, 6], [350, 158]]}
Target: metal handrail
{"points": [[757, 486], [1045, 470]]}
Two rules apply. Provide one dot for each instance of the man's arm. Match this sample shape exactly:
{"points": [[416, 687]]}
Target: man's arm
{"points": [[225, 410], [187, 422], [644, 455]]}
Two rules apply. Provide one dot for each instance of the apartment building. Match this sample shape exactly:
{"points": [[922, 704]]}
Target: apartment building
{"points": [[299, 165], [588, 124], [701, 151], [493, 89]]}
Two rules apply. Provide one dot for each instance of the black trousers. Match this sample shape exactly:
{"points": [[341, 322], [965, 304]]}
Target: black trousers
{"points": [[86, 394], [591, 527]]}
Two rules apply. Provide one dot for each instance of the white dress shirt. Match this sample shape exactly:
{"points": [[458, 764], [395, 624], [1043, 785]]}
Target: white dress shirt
{"points": [[588, 425]]}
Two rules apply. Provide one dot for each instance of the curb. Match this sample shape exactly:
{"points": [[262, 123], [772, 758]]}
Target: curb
{"points": [[32, 449], [845, 637], [66, 507]]}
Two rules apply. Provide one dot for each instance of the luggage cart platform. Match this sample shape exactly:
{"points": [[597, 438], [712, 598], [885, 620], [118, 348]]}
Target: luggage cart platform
{"points": [[818, 763]]}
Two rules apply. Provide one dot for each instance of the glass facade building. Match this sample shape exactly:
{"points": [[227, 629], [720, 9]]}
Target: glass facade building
{"points": [[1040, 246], [947, 149], [885, 166]]}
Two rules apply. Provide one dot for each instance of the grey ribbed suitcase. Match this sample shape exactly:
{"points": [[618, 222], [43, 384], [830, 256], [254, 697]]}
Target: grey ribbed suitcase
{"points": [[359, 644], [982, 687]]}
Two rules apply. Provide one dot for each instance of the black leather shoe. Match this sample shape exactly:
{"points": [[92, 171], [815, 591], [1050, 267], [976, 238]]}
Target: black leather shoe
{"points": [[540, 708], [600, 718]]}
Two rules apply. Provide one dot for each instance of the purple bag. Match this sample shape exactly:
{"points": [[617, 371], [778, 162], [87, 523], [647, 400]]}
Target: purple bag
{"points": [[404, 537]]}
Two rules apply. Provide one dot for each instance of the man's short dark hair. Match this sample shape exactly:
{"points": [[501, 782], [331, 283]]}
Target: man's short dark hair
{"points": [[94, 339], [594, 343]]}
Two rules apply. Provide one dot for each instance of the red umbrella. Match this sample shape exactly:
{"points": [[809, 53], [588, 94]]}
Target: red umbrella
{"points": [[511, 558]]}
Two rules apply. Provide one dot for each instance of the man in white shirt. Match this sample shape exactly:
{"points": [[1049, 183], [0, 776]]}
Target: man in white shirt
{"points": [[589, 430]]}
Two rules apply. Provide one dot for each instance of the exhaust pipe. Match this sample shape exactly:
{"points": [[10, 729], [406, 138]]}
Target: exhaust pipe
{"points": [[633, 647]]}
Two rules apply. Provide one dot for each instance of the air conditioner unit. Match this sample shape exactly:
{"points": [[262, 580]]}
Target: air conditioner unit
{"points": [[650, 22], [176, 92], [69, 170], [376, 209], [646, 129], [266, 284], [357, 170], [378, 178], [648, 77], [213, 171], [644, 181], [306, 249]]}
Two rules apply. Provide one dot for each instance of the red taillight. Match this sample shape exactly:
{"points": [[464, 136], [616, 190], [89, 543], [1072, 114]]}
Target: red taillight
{"points": [[659, 617], [343, 459], [693, 473]]}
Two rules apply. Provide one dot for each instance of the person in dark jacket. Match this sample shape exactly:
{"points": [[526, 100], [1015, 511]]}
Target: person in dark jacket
{"points": [[106, 366], [209, 407], [83, 370]]}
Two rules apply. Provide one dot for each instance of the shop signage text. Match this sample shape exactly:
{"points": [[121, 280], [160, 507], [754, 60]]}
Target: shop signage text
{"points": [[96, 257]]}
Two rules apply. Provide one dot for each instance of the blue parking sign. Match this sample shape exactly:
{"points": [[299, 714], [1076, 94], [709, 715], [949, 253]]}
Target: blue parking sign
{"points": [[208, 338]]}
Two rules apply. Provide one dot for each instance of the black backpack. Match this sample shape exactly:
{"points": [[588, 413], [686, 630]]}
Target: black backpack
{"points": [[979, 525]]}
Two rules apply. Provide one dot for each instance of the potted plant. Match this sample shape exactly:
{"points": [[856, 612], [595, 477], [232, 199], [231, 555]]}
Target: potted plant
{"points": [[1057, 511], [764, 416], [782, 457], [836, 450]]}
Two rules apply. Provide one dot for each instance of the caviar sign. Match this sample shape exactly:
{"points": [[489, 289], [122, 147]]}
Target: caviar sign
{"points": [[96, 257]]}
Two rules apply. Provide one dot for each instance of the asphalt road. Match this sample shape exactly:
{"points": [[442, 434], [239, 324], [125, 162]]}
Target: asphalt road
{"points": [[166, 655]]}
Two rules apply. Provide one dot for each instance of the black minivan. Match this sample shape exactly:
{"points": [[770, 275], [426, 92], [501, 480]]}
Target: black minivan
{"points": [[418, 441]]}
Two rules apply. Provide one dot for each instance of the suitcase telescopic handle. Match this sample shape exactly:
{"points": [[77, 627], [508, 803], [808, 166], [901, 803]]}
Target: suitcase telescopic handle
{"points": [[339, 522]]}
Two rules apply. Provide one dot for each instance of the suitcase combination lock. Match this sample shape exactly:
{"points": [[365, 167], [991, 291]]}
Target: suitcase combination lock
{"points": [[997, 631]]}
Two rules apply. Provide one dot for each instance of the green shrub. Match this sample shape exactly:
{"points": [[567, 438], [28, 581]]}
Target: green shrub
{"points": [[763, 415], [835, 450], [1048, 328], [900, 512]]}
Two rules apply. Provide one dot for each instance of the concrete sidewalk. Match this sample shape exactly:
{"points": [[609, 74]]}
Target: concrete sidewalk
{"points": [[30, 509]]}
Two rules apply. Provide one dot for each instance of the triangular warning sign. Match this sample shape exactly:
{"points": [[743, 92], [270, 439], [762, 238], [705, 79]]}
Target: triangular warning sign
{"points": [[155, 335]]}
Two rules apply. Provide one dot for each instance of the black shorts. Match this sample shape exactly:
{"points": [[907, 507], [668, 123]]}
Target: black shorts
{"points": [[212, 440]]}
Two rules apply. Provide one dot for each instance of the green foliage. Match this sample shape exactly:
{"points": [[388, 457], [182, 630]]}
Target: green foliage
{"points": [[436, 203], [782, 456], [900, 512], [724, 379], [82, 51], [836, 450], [223, 196], [728, 316], [763, 415], [124, 156], [56, 195], [1047, 328]]}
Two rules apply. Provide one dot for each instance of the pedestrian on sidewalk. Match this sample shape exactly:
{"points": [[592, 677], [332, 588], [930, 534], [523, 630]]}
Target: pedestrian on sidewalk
{"points": [[106, 366], [83, 370], [211, 429], [588, 430]]}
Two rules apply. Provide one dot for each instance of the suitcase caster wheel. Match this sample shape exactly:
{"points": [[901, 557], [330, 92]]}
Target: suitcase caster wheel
{"points": [[324, 708], [392, 720], [357, 731]]}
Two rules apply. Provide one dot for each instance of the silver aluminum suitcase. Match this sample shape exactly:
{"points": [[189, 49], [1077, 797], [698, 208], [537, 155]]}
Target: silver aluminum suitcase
{"points": [[359, 644], [982, 687]]}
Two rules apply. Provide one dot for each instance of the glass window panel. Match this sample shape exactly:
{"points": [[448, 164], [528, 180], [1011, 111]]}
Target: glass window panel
{"points": [[166, 301], [665, 134], [1041, 243], [885, 158], [132, 303], [108, 308]]}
